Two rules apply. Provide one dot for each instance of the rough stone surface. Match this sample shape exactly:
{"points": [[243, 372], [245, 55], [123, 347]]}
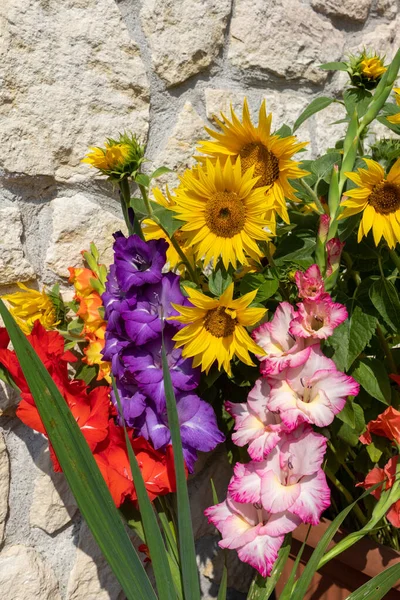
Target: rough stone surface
{"points": [[71, 76], [344, 9], [23, 574], [91, 578], [387, 8], [4, 485], [383, 39], [184, 37], [13, 264], [181, 145], [286, 39], [53, 504], [76, 223], [9, 398]]}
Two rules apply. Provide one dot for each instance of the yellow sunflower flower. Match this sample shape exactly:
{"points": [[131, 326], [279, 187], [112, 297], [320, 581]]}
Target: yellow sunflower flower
{"points": [[29, 306], [395, 119], [152, 231], [372, 67], [108, 158], [215, 328], [223, 212], [270, 155], [378, 198]]}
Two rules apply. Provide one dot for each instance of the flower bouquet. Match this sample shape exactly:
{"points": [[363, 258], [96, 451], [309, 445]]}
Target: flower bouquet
{"points": [[256, 305]]}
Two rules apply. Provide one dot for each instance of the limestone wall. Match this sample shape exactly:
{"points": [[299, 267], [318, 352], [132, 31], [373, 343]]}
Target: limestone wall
{"points": [[72, 73]]}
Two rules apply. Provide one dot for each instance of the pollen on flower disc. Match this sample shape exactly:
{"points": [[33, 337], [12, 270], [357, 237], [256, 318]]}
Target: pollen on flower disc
{"points": [[385, 198], [225, 214], [219, 323], [265, 162]]}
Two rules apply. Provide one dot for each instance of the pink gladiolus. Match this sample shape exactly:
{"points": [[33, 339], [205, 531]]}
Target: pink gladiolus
{"points": [[323, 228], [255, 424], [290, 479], [310, 283], [283, 349], [256, 534], [312, 393], [317, 319], [333, 251]]}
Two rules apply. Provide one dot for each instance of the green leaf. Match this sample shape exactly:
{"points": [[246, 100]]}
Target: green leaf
{"points": [[142, 179], [80, 469], [377, 587], [287, 591], [219, 280], [160, 171], [362, 328], [283, 131], [166, 219], [372, 376], [266, 287], [86, 373], [373, 452], [334, 66], [323, 166], [139, 207], [391, 126], [384, 297], [339, 341], [347, 415], [296, 248], [350, 433], [153, 537], [356, 99], [187, 552], [315, 106], [262, 588]]}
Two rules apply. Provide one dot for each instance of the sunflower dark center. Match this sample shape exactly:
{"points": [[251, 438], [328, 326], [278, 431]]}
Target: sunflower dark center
{"points": [[266, 163], [219, 322], [225, 214], [385, 198]]}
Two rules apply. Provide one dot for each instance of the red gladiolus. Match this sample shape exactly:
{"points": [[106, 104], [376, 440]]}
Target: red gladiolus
{"points": [[386, 424], [387, 477]]}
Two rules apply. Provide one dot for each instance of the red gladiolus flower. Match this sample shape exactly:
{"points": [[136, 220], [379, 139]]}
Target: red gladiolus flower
{"points": [[387, 425], [387, 477], [112, 458]]}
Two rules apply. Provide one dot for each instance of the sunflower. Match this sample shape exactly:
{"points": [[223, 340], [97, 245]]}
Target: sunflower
{"points": [[28, 306], [152, 231], [119, 158], [223, 212], [395, 119], [372, 67], [270, 155], [378, 197], [215, 328]]}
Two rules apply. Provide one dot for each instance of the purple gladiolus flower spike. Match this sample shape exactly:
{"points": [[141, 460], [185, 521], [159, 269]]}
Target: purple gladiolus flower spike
{"points": [[137, 262]]}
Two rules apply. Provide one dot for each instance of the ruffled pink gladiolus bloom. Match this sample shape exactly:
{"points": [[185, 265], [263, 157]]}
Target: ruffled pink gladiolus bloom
{"points": [[255, 424], [255, 534], [289, 480], [317, 319], [312, 393], [283, 349], [310, 283]]}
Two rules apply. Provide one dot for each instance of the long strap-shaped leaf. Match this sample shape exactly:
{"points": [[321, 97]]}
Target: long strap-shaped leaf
{"points": [[190, 580], [261, 587], [154, 539], [377, 587], [80, 469]]}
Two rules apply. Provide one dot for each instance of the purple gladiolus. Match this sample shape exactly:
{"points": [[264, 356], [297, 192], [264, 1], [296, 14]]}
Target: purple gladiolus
{"points": [[137, 262]]}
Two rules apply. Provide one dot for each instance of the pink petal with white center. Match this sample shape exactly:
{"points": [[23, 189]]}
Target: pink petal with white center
{"points": [[262, 446], [258, 397], [283, 399], [317, 319], [296, 356], [237, 532], [261, 553], [314, 498], [303, 450], [245, 485], [219, 515], [310, 283], [280, 524], [276, 497]]}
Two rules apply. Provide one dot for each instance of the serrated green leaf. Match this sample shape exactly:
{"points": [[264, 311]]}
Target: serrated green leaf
{"points": [[266, 287], [350, 434], [323, 166], [362, 328], [86, 373], [315, 106], [384, 297], [80, 469], [334, 66], [372, 376], [347, 415], [356, 97], [377, 587], [339, 341], [166, 219], [218, 281]]}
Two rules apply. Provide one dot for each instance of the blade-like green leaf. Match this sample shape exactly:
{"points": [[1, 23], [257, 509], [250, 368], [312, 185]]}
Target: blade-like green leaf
{"points": [[317, 559], [154, 539], [315, 106], [334, 66], [286, 593], [187, 552], [80, 469], [261, 587], [377, 587]]}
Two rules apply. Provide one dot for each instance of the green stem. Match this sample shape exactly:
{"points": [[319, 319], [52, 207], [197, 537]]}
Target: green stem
{"points": [[313, 195], [395, 259], [342, 462], [125, 197], [145, 197], [347, 495], [386, 349]]}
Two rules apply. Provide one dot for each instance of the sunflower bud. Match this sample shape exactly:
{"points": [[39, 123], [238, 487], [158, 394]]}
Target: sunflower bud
{"points": [[365, 70], [119, 158]]}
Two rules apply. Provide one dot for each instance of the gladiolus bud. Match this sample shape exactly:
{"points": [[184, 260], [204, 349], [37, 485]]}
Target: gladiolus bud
{"points": [[333, 250]]}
